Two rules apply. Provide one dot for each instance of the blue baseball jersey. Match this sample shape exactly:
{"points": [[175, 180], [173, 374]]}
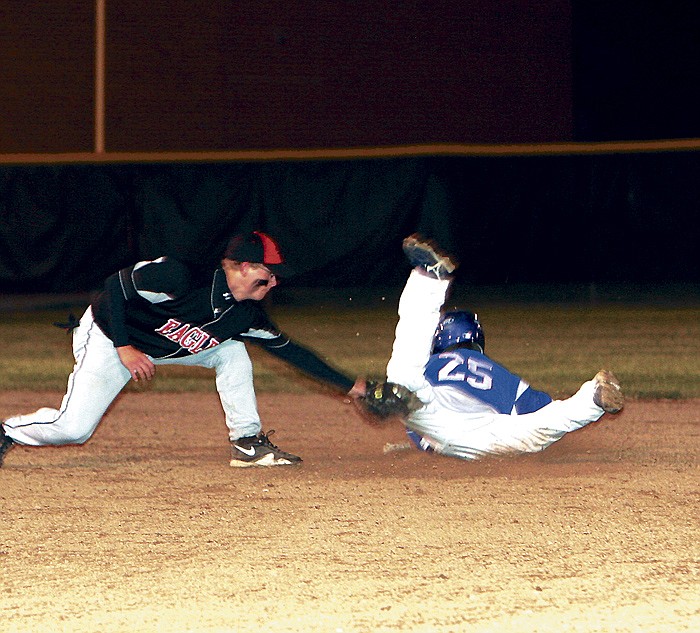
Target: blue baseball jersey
{"points": [[483, 380]]}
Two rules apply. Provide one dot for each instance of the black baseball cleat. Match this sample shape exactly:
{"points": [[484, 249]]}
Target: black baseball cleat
{"points": [[6, 444], [608, 394], [424, 254], [258, 450]]}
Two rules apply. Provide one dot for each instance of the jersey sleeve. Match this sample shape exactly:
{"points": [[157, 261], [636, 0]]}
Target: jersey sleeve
{"points": [[155, 281], [531, 400], [266, 334], [152, 281], [309, 362]]}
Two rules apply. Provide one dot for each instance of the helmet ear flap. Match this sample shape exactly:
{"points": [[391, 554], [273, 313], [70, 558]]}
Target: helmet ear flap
{"points": [[459, 328]]}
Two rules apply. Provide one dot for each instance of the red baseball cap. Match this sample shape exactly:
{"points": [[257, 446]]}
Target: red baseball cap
{"points": [[258, 248]]}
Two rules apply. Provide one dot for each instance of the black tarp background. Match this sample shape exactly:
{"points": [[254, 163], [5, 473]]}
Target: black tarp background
{"points": [[588, 218]]}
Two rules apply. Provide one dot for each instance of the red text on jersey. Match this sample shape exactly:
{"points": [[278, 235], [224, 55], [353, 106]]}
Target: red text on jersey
{"points": [[191, 338]]}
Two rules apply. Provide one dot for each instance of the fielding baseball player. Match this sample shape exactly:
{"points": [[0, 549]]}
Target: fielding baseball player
{"points": [[165, 312], [454, 399]]}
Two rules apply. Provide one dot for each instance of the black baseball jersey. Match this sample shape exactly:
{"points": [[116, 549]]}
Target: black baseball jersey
{"points": [[168, 309]]}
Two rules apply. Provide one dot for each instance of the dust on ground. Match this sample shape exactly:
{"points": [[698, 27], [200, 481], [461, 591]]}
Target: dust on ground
{"points": [[147, 528]]}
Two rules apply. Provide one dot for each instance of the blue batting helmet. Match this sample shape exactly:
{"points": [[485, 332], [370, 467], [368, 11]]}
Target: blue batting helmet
{"points": [[459, 327]]}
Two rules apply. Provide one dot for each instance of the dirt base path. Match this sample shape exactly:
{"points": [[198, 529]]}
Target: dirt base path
{"points": [[147, 528]]}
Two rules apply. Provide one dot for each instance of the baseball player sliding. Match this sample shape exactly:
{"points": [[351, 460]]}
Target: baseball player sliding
{"points": [[454, 399], [164, 312]]}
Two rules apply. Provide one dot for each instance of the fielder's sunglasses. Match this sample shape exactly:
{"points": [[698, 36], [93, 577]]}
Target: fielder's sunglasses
{"points": [[261, 283]]}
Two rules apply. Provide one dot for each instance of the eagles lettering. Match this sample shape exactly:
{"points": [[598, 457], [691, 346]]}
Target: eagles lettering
{"points": [[191, 338]]}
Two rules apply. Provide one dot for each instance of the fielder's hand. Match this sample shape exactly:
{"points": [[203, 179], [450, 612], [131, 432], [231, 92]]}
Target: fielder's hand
{"points": [[139, 365]]}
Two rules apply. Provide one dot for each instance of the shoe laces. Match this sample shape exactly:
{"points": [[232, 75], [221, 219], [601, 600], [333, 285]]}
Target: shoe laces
{"points": [[265, 439]]}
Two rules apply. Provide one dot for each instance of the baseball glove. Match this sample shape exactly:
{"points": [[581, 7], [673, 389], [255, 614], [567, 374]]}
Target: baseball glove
{"points": [[384, 400]]}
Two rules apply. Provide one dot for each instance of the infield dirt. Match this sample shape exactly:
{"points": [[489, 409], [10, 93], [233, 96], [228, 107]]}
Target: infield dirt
{"points": [[147, 528]]}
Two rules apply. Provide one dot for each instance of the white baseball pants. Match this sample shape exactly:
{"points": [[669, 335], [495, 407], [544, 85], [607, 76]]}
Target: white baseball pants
{"points": [[98, 377], [451, 422]]}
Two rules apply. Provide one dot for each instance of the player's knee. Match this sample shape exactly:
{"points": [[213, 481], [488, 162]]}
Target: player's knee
{"points": [[233, 363], [82, 439], [67, 434], [70, 438]]}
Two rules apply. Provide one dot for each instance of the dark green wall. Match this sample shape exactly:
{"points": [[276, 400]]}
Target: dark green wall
{"points": [[612, 218]]}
